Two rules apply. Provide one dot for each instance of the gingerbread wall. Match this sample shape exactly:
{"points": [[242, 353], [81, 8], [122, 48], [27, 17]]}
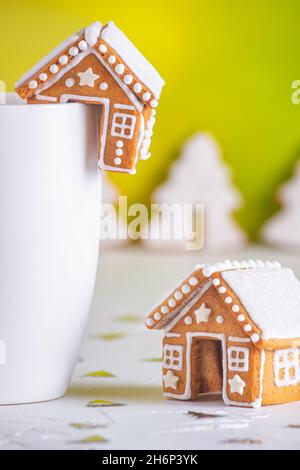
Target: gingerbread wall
{"points": [[209, 321], [275, 394], [123, 118]]}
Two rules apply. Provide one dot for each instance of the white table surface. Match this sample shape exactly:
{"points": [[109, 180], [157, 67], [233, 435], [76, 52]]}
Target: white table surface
{"points": [[130, 281]]}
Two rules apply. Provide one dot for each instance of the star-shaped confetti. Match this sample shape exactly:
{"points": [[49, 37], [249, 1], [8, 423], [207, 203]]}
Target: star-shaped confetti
{"points": [[170, 380], [202, 314], [88, 77], [237, 385]]}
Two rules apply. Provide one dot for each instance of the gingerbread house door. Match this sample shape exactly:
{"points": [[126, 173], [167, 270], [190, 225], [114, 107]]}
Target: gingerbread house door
{"points": [[207, 364]]}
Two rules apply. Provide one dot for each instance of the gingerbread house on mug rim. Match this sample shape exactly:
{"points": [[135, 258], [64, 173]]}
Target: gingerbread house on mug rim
{"points": [[99, 65], [232, 327]]}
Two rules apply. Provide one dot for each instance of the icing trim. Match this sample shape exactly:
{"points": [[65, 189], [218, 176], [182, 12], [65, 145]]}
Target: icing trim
{"points": [[43, 63], [239, 340], [52, 99], [203, 289], [92, 33], [228, 265]]}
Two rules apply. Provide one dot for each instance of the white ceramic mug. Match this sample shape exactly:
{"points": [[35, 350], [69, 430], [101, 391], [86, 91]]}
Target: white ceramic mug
{"points": [[49, 241]]}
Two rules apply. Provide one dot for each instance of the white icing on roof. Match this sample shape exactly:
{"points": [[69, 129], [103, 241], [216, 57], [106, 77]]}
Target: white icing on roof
{"points": [[133, 58], [271, 298], [92, 33], [48, 58], [210, 269]]}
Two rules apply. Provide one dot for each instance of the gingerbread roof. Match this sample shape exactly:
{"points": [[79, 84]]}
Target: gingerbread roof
{"points": [[268, 298], [120, 55], [140, 67]]}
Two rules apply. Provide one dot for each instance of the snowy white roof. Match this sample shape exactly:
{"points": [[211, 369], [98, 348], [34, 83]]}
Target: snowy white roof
{"points": [[133, 58], [210, 269], [271, 296]]}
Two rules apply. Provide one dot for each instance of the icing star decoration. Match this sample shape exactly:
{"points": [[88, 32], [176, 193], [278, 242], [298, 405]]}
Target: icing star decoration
{"points": [[170, 380], [202, 314], [237, 385], [88, 77]]}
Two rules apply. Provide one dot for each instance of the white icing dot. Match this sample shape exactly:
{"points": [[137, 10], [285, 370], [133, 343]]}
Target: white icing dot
{"points": [[241, 318], [138, 88], [149, 322], [112, 59], [103, 86], [260, 263], [148, 134], [63, 60], [146, 96], [186, 289], [119, 144], [216, 282], [228, 300], [247, 328], [255, 338], [128, 79], [154, 103], [102, 48], [117, 161], [70, 82], [33, 84], [251, 263], [220, 319], [144, 153], [43, 77], [188, 320], [222, 290], [157, 316], [120, 69], [172, 303], [151, 123], [235, 308], [193, 281], [119, 152], [53, 68], [74, 51], [145, 144], [178, 295], [83, 45], [164, 309]]}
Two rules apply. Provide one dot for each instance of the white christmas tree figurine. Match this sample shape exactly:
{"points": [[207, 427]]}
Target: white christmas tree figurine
{"points": [[283, 230], [199, 177]]}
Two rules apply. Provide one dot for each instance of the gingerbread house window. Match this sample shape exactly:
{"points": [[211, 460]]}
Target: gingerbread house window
{"points": [[123, 125], [238, 359], [173, 357], [286, 367]]}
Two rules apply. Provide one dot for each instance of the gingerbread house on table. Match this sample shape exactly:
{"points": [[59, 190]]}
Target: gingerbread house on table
{"points": [[99, 65], [232, 327]]}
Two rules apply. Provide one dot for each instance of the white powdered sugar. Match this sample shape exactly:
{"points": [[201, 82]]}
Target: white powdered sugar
{"points": [[227, 265], [271, 298]]}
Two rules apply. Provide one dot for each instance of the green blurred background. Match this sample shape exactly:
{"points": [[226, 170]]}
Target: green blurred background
{"points": [[228, 64]]}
